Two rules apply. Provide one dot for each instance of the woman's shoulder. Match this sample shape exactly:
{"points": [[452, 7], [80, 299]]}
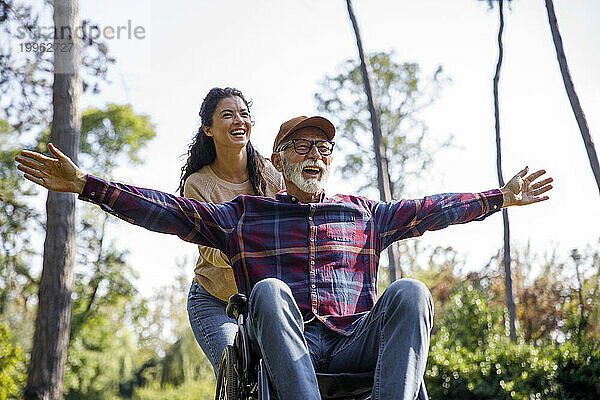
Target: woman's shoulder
{"points": [[274, 179], [199, 182], [201, 176]]}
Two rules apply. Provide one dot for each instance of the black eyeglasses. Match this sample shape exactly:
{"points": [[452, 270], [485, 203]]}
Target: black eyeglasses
{"points": [[304, 146]]}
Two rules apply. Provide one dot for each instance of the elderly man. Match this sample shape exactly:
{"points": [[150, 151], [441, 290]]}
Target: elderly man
{"points": [[308, 262]]}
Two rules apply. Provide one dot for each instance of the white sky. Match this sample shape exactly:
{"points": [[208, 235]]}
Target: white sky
{"points": [[276, 52]]}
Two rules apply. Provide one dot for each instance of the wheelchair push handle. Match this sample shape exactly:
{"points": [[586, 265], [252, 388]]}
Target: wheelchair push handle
{"points": [[236, 305]]}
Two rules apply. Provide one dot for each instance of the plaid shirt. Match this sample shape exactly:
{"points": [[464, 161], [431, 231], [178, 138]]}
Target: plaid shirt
{"points": [[327, 252]]}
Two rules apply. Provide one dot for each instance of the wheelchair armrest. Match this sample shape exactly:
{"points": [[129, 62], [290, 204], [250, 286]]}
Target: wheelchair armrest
{"points": [[236, 305]]}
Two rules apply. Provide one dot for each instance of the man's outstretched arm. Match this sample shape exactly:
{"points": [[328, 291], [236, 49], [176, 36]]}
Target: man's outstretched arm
{"points": [[402, 219], [203, 223]]}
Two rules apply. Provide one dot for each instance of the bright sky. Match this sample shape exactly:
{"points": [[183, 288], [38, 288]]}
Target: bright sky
{"points": [[276, 52]]}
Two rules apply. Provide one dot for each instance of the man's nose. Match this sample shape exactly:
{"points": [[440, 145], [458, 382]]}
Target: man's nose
{"points": [[314, 152]]}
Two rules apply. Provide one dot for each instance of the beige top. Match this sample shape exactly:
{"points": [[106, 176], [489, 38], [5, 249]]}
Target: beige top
{"points": [[212, 270]]}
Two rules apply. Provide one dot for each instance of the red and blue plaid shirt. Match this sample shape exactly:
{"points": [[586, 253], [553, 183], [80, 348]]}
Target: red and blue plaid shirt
{"points": [[327, 252]]}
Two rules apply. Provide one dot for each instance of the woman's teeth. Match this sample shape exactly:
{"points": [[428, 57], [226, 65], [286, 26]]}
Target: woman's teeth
{"points": [[238, 132]]}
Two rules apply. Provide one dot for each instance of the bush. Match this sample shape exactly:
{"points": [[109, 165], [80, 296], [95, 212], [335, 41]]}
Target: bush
{"points": [[471, 357], [201, 390], [12, 366], [579, 371], [498, 370]]}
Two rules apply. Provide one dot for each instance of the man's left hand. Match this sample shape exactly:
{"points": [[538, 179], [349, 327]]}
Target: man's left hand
{"points": [[521, 190]]}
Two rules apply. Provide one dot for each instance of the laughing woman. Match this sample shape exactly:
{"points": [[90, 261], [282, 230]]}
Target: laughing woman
{"points": [[221, 165]]}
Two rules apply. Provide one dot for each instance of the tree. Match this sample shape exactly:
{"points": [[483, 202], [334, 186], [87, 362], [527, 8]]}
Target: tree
{"points": [[25, 96], [510, 302], [51, 338], [571, 93], [26, 76], [402, 92], [383, 173], [25, 87], [105, 299]]}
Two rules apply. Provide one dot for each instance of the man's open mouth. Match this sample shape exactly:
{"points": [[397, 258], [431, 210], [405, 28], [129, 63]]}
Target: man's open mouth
{"points": [[313, 171]]}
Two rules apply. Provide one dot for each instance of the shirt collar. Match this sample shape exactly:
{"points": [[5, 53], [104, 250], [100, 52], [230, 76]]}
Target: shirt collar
{"points": [[285, 197]]}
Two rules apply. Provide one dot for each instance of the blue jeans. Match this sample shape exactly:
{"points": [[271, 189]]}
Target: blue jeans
{"points": [[212, 328], [392, 340]]}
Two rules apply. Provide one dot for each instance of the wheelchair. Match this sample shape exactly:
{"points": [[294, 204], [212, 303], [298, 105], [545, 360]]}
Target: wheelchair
{"points": [[242, 374]]}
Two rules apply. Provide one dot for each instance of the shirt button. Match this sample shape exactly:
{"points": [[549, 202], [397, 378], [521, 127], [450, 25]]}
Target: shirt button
{"points": [[495, 207], [312, 239], [313, 286], [310, 218], [312, 262], [93, 193]]}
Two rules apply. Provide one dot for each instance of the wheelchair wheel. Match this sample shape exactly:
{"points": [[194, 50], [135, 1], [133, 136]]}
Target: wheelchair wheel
{"points": [[228, 382]]}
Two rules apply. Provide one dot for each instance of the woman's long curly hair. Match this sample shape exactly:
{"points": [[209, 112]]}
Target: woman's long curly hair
{"points": [[202, 151]]}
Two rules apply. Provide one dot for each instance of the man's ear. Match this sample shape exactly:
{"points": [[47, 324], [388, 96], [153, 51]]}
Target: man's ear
{"points": [[276, 161]]}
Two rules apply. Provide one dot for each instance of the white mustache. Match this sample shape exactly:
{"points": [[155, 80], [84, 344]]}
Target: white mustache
{"points": [[313, 163]]}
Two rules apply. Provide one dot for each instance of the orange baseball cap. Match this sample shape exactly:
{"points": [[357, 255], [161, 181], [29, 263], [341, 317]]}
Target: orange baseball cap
{"points": [[294, 124]]}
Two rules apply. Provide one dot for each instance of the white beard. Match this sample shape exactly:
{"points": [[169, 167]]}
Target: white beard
{"points": [[293, 173]]}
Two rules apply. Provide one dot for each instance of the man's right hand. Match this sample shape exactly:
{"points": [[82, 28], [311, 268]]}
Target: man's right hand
{"points": [[58, 174], [522, 190]]}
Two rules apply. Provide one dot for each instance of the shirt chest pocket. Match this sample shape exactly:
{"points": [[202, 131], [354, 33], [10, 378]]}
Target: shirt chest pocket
{"points": [[340, 232]]}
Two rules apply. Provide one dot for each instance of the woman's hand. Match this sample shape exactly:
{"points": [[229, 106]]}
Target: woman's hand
{"points": [[58, 174], [520, 191]]}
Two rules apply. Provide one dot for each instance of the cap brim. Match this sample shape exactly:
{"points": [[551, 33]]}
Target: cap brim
{"points": [[317, 122]]}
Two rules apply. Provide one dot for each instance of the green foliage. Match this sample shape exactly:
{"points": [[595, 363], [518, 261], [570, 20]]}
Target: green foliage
{"points": [[18, 222], [470, 320], [472, 357], [579, 370], [117, 130], [100, 356], [106, 310], [106, 306], [12, 366], [109, 138], [175, 367], [401, 93], [203, 390], [103, 350], [185, 362]]}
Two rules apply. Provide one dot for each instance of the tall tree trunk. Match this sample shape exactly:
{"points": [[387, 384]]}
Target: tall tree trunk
{"points": [[510, 302], [570, 88], [583, 321], [383, 174], [49, 351]]}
